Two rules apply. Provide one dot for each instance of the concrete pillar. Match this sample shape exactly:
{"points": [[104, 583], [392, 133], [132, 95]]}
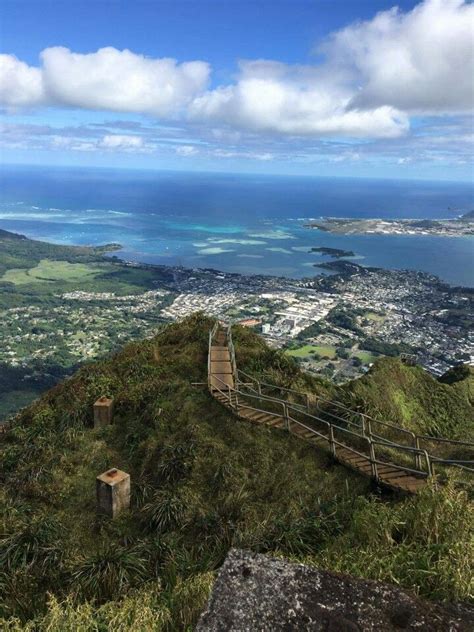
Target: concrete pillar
{"points": [[103, 409], [113, 492]]}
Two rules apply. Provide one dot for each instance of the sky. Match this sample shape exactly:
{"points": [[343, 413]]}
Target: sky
{"points": [[310, 87]]}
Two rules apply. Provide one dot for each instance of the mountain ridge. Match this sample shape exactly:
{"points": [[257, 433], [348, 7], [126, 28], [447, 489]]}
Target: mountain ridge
{"points": [[202, 482]]}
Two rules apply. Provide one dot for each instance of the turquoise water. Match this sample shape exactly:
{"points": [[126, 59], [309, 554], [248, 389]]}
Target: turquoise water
{"points": [[247, 224]]}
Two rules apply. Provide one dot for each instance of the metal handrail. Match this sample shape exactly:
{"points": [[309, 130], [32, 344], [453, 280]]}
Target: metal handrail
{"points": [[444, 440], [364, 430], [337, 404], [415, 438]]}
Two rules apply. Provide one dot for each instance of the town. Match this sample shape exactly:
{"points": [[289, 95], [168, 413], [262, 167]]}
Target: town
{"points": [[335, 325]]}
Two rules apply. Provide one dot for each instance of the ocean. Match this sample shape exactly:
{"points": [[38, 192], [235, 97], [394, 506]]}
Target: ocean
{"points": [[233, 222]]}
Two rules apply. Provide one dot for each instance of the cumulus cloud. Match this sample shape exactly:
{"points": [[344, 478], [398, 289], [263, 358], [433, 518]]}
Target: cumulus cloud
{"points": [[373, 76], [20, 84], [273, 97], [421, 61], [110, 79]]}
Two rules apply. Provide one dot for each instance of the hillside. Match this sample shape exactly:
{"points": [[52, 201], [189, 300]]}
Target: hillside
{"points": [[27, 273], [36, 351], [202, 482], [390, 390], [413, 398]]}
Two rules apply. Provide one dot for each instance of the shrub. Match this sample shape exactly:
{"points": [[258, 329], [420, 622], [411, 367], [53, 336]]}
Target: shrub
{"points": [[109, 572], [165, 511]]}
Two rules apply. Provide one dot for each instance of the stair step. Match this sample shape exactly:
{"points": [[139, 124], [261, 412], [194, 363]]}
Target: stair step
{"points": [[220, 354], [221, 380], [255, 415], [276, 422], [221, 367], [389, 472]]}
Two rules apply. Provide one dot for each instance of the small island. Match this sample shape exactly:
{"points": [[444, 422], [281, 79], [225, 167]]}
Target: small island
{"points": [[336, 253]]}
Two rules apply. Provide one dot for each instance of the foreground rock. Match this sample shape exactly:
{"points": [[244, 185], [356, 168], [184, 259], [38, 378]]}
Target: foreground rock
{"points": [[256, 592]]}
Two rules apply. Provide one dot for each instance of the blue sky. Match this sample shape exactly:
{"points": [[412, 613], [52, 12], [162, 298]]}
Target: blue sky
{"points": [[304, 87]]}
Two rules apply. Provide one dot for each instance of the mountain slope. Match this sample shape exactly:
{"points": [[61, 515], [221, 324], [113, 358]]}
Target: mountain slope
{"points": [[413, 398], [202, 481]]}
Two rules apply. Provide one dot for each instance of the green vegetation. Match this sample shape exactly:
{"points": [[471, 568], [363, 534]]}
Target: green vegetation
{"points": [[201, 482], [37, 350], [326, 351], [385, 348], [365, 356], [48, 271], [311, 331], [345, 318], [26, 262], [374, 316], [413, 398]]}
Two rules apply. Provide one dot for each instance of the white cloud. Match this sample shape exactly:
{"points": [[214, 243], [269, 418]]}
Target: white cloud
{"points": [[374, 75], [273, 97], [20, 84], [186, 150], [121, 141], [421, 61], [109, 79], [253, 155]]}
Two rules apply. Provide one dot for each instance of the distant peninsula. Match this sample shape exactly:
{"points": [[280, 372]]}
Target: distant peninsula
{"points": [[458, 227], [336, 253]]}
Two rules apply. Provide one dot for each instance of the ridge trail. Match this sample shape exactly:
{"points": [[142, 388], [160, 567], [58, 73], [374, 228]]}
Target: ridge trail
{"points": [[405, 468]]}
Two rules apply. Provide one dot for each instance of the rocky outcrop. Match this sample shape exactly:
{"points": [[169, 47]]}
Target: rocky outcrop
{"points": [[255, 592]]}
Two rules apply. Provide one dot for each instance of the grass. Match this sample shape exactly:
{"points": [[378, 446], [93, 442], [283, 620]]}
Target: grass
{"points": [[202, 482], [307, 350], [413, 398], [374, 316], [366, 356], [50, 271]]}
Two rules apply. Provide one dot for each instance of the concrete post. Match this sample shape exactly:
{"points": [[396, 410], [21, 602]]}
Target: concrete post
{"points": [[113, 492], [103, 412]]}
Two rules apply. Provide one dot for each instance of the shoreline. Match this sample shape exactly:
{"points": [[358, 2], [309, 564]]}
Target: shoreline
{"points": [[107, 250]]}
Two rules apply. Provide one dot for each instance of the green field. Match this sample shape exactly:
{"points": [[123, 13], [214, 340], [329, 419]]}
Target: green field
{"points": [[374, 316], [307, 350], [366, 356], [49, 271]]}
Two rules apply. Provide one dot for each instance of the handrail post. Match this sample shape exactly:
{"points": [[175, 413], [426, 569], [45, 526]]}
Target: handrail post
{"points": [[332, 445], [417, 454], [373, 464], [307, 402], [369, 428], [428, 464], [286, 417]]}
